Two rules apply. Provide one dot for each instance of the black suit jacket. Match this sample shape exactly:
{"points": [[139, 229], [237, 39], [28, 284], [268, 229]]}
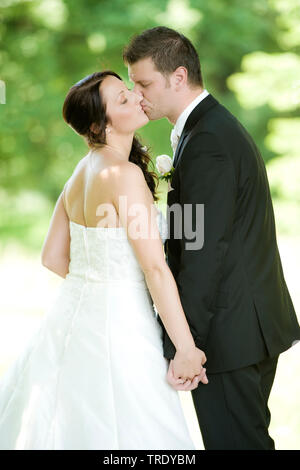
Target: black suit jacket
{"points": [[232, 289]]}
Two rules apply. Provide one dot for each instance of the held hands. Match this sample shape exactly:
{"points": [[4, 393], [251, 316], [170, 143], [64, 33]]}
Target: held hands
{"points": [[186, 370]]}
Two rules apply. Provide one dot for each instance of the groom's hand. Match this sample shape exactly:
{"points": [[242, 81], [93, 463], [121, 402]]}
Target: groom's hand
{"points": [[185, 385], [187, 364]]}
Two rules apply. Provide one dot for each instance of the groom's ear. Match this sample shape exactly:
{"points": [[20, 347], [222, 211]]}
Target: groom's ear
{"points": [[179, 77]]}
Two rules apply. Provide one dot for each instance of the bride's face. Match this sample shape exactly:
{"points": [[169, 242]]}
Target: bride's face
{"points": [[123, 107]]}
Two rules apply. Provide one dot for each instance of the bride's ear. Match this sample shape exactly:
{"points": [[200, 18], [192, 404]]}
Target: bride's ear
{"points": [[95, 128]]}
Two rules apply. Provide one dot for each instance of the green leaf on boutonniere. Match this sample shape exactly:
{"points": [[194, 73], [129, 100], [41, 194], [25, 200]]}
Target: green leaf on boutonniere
{"points": [[167, 176]]}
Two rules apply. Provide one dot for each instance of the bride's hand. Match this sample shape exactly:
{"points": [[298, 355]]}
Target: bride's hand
{"points": [[187, 365], [188, 385]]}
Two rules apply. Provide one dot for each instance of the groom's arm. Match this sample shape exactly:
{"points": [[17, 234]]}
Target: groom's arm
{"points": [[206, 177]]}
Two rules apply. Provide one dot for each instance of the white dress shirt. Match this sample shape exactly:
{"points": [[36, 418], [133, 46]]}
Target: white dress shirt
{"points": [[180, 123]]}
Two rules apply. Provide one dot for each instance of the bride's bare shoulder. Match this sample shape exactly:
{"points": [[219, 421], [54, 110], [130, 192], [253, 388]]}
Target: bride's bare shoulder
{"points": [[77, 172], [125, 173], [79, 167]]}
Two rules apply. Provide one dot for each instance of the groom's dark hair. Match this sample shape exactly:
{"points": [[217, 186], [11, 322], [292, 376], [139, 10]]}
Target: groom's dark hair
{"points": [[168, 50]]}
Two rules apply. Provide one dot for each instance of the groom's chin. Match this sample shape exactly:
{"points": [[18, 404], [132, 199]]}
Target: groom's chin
{"points": [[151, 117]]}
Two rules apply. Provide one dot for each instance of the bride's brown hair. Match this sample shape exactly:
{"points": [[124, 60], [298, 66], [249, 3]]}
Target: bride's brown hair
{"points": [[85, 111]]}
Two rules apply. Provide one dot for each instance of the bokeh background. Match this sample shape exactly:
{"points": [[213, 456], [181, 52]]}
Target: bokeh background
{"points": [[249, 53]]}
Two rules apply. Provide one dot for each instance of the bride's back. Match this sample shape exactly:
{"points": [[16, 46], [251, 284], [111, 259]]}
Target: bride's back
{"points": [[88, 189], [96, 253]]}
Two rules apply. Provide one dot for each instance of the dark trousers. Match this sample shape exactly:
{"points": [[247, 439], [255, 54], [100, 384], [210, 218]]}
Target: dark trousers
{"points": [[232, 409]]}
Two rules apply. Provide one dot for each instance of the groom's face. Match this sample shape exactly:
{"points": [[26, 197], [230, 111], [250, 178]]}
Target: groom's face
{"points": [[153, 86]]}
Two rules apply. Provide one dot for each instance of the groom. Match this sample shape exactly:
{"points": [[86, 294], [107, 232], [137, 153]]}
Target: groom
{"points": [[232, 288]]}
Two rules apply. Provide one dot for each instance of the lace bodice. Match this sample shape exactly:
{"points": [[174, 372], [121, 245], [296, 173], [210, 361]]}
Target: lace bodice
{"points": [[105, 254]]}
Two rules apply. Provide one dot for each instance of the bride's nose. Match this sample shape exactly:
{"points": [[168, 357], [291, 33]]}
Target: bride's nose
{"points": [[138, 96]]}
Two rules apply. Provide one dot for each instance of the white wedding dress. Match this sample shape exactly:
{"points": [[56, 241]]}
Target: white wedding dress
{"points": [[93, 376]]}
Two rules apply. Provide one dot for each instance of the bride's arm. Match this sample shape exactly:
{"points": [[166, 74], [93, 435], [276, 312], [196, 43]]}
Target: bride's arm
{"points": [[56, 248], [128, 181]]}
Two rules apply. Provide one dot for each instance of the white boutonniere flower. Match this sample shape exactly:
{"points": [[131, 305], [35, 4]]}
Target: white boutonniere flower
{"points": [[164, 165]]}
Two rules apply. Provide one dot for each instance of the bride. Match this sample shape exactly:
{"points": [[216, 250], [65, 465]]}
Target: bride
{"points": [[93, 376]]}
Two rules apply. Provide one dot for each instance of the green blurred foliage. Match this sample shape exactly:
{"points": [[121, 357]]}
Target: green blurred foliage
{"points": [[249, 55]]}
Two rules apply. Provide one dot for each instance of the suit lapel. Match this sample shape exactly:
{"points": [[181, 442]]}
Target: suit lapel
{"points": [[197, 113], [178, 148]]}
